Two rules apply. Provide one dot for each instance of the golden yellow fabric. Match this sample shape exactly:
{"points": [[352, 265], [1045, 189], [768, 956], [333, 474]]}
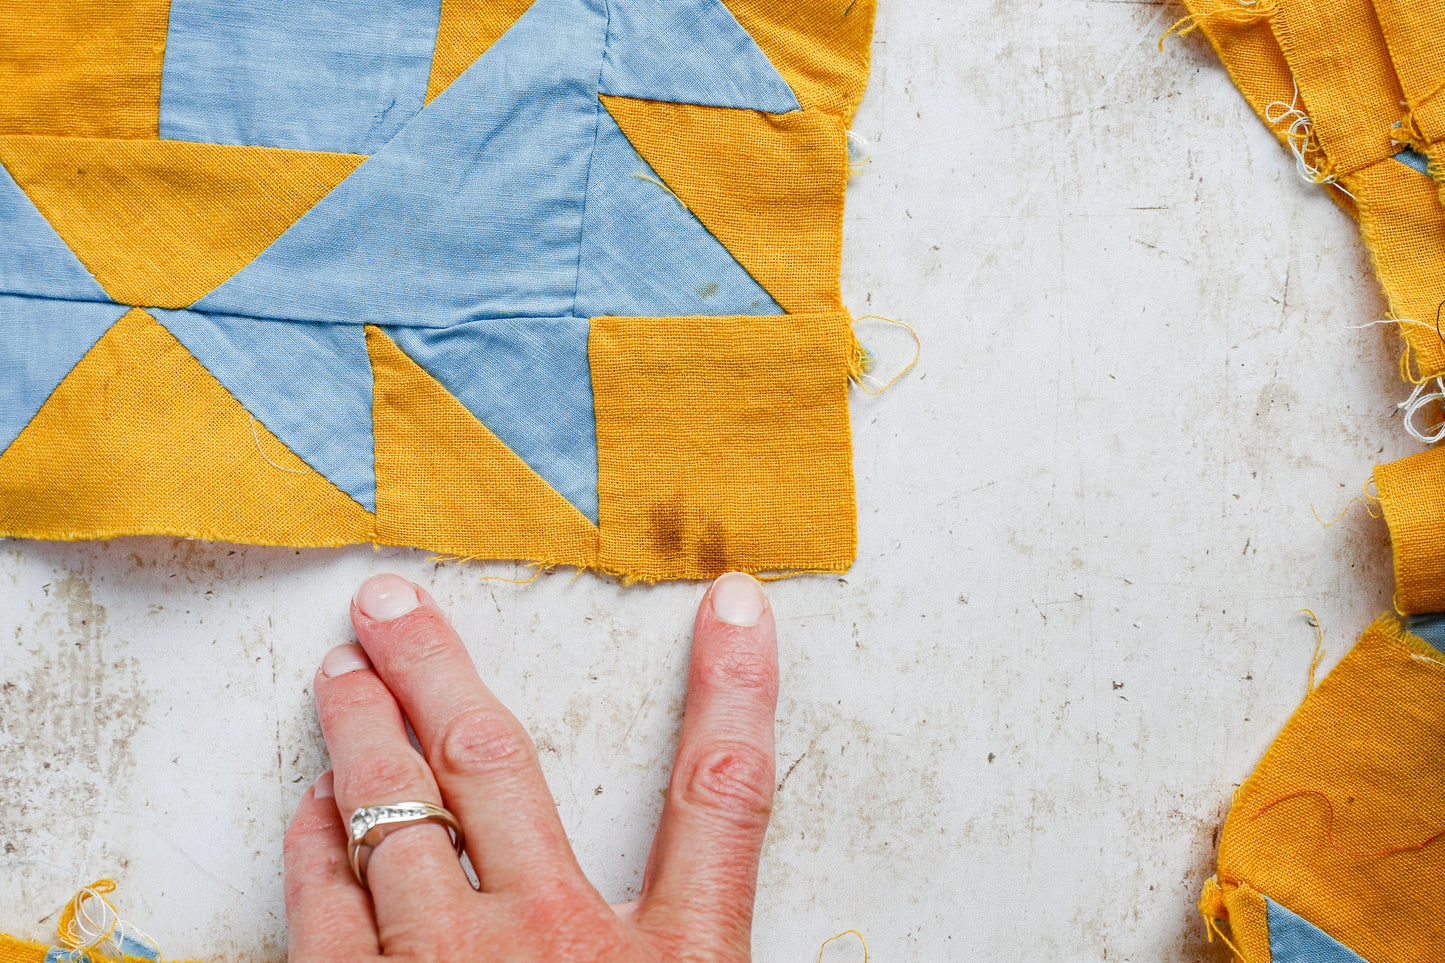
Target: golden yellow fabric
{"points": [[161, 222], [1335, 55], [82, 68], [1412, 493], [1403, 224], [1331, 824], [1247, 915], [24, 951], [445, 482], [1413, 31], [141, 439], [821, 47], [467, 29], [769, 186], [719, 439]]}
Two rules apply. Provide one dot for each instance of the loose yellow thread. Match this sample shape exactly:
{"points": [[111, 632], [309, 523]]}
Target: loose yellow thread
{"points": [[75, 916], [1409, 370], [860, 360], [256, 435], [1338, 518], [652, 180], [1211, 929], [1246, 14], [1409, 126], [1370, 500], [839, 937], [1319, 655]]}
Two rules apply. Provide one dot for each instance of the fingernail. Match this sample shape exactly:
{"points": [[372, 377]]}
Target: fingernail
{"points": [[325, 786], [382, 598], [344, 659], [737, 599]]}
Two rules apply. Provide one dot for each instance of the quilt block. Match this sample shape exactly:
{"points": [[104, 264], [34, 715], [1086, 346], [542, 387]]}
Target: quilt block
{"points": [[554, 281]]}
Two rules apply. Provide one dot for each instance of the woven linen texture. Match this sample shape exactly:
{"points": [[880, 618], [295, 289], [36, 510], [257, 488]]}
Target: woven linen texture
{"points": [[442, 275], [1334, 824]]}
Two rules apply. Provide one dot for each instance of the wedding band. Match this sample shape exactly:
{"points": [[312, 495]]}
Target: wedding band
{"points": [[369, 825]]}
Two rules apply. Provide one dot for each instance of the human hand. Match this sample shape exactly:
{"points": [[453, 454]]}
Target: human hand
{"points": [[534, 905]]}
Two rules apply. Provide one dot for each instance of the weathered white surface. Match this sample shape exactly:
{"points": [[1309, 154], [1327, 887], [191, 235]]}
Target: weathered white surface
{"points": [[1011, 731]]}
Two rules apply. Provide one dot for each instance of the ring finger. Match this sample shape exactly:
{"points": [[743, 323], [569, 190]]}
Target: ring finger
{"points": [[412, 871]]}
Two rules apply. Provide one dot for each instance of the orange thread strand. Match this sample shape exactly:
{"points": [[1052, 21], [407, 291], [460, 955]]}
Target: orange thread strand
{"points": [[1331, 829]]}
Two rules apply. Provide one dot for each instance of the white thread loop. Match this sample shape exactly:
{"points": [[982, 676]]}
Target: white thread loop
{"points": [[92, 923], [1300, 135], [1419, 400], [860, 152]]}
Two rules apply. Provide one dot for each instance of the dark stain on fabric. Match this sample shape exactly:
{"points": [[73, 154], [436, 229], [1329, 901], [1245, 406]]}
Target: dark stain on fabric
{"points": [[679, 536]]}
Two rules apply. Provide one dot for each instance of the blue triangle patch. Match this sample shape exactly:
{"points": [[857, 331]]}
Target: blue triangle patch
{"points": [[645, 254], [689, 52], [33, 258], [530, 383], [41, 340], [309, 384], [1292, 939]]}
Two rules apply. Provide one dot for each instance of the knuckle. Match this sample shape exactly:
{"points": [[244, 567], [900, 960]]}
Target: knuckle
{"points": [[416, 641], [741, 668], [478, 741], [733, 779], [308, 864], [385, 775]]}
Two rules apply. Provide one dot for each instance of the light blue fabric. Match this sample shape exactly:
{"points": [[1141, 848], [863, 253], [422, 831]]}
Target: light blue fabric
{"points": [[310, 384], [475, 210], [644, 253], [41, 340], [1429, 627], [1294, 940], [1414, 159], [509, 209], [332, 75], [529, 382], [33, 258], [128, 945], [689, 52], [472, 211]]}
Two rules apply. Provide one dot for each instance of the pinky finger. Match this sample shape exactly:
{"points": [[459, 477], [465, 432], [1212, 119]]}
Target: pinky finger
{"points": [[328, 912]]}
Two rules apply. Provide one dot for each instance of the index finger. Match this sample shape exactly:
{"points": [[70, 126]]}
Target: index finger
{"points": [[482, 757]]}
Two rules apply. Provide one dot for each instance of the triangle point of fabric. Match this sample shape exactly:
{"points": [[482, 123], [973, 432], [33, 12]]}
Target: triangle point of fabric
{"points": [[446, 482], [140, 439]]}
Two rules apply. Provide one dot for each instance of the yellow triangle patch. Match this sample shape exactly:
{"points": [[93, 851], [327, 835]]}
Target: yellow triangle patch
{"points": [[467, 30], [140, 438], [445, 482], [768, 186], [161, 222], [821, 47]]}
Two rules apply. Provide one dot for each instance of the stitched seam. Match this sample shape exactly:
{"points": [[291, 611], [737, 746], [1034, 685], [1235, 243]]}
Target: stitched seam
{"points": [[592, 155]]}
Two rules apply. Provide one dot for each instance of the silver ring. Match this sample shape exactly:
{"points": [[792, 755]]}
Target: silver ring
{"points": [[369, 825]]}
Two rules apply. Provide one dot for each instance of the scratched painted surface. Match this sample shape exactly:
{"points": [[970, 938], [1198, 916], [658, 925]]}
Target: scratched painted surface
{"points": [[1012, 730]]}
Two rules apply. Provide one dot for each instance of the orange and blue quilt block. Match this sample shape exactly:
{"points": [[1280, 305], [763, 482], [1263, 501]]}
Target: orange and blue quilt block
{"points": [[555, 281]]}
